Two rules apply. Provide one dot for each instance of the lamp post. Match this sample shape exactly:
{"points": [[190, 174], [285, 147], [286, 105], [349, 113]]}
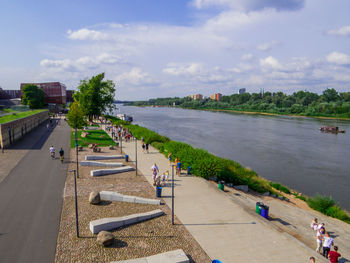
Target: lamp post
{"points": [[172, 194], [121, 143], [76, 149], [76, 202], [136, 156]]}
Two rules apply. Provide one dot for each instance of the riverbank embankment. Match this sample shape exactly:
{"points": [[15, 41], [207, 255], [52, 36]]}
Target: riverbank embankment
{"points": [[221, 225]]}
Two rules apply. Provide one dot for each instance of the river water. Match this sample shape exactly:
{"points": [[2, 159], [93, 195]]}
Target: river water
{"points": [[284, 149]]}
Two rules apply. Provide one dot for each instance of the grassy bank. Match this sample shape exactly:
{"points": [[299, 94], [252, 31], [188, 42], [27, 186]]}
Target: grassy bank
{"points": [[209, 166], [19, 115], [94, 136]]}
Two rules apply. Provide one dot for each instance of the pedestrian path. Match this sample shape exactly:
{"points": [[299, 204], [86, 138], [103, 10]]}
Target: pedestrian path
{"points": [[223, 228]]}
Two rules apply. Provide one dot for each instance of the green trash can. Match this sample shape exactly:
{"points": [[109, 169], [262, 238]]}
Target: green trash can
{"points": [[221, 185], [258, 207]]}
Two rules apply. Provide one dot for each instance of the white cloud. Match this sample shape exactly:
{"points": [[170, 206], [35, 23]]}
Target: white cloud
{"points": [[135, 77], [86, 34], [249, 5], [338, 58], [343, 31], [267, 46], [270, 63], [177, 69], [247, 57]]}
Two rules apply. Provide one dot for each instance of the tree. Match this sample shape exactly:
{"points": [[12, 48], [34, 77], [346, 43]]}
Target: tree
{"points": [[75, 116], [95, 95], [330, 95], [33, 96]]}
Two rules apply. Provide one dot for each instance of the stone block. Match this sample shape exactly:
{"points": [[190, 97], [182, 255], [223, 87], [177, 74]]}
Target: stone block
{"points": [[94, 198], [129, 198], [103, 157], [175, 256], [100, 164], [111, 196], [105, 224], [105, 238], [243, 188], [111, 171]]}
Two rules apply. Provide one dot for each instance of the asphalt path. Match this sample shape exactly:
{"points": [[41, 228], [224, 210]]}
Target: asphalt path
{"points": [[31, 198]]}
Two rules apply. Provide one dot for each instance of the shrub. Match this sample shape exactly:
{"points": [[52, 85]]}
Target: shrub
{"points": [[336, 212], [280, 187], [301, 197], [321, 203]]}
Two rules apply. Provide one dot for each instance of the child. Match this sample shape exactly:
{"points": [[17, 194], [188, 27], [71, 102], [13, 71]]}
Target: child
{"points": [[165, 177]]}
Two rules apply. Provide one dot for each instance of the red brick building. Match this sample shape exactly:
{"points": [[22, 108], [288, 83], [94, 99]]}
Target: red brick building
{"points": [[55, 92]]}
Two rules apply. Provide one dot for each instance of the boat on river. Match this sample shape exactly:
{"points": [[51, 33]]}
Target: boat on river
{"points": [[331, 129], [125, 117]]}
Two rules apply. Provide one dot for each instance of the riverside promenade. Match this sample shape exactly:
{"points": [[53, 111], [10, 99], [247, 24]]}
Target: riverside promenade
{"points": [[31, 196], [224, 228]]}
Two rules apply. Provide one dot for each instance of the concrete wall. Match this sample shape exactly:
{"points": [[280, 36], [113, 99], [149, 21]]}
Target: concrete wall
{"points": [[11, 132]]}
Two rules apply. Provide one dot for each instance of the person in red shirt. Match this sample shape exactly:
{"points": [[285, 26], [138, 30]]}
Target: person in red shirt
{"points": [[334, 255]]}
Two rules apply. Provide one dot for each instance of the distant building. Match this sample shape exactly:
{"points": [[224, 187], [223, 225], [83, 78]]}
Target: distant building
{"points": [[10, 94], [196, 96], [216, 96], [55, 92], [242, 91], [69, 94]]}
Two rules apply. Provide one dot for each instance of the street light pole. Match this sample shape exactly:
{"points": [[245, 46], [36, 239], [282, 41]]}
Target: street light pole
{"points": [[121, 143], [76, 203], [76, 149], [136, 155], [172, 194]]}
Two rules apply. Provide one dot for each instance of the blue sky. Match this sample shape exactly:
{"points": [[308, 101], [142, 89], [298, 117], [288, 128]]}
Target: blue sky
{"points": [[159, 48]]}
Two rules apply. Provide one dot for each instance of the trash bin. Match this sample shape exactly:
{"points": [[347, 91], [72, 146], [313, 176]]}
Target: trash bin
{"points": [[126, 158], [159, 191], [265, 211], [189, 170], [117, 144], [222, 185], [216, 261], [258, 207]]}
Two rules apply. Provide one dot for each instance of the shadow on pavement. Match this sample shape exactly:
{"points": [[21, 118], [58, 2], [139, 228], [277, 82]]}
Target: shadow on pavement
{"points": [[36, 138], [218, 224]]}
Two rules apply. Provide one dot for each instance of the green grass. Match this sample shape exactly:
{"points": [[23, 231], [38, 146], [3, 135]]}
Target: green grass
{"points": [[326, 205], [280, 187], [15, 116], [301, 197], [95, 136]]}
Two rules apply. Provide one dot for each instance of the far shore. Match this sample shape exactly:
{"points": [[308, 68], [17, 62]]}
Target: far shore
{"points": [[258, 113]]}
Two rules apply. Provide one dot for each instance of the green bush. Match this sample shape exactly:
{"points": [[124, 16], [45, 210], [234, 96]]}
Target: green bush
{"points": [[336, 212], [321, 203], [280, 187], [301, 197]]}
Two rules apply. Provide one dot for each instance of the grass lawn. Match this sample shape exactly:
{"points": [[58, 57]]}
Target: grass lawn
{"points": [[15, 116], [95, 136]]}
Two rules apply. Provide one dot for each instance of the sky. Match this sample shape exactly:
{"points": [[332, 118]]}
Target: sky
{"points": [[168, 48]]}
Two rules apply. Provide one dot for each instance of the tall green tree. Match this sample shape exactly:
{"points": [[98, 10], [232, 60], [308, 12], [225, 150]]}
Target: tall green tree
{"points": [[95, 95], [75, 116], [33, 96]]}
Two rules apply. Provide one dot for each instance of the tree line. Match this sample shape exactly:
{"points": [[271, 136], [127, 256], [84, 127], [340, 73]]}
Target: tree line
{"points": [[330, 103]]}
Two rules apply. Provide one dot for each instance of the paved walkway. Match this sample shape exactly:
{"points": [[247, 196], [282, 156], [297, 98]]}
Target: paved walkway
{"points": [[224, 228], [31, 198]]}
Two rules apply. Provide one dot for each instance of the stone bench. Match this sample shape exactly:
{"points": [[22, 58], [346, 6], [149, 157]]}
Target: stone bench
{"points": [[101, 164], [103, 157], [111, 171], [175, 256], [115, 196], [114, 222]]}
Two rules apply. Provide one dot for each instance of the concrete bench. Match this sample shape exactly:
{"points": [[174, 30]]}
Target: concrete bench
{"points": [[175, 256], [102, 157], [114, 222], [111, 171], [115, 196], [100, 164]]}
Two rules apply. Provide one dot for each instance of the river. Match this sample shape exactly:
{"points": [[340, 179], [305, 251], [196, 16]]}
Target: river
{"points": [[284, 149]]}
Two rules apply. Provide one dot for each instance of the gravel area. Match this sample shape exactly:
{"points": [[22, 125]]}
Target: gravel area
{"points": [[138, 240]]}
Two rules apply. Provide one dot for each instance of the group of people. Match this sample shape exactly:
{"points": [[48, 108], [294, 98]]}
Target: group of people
{"points": [[53, 151], [324, 242], [145, 146], [159, 179]]}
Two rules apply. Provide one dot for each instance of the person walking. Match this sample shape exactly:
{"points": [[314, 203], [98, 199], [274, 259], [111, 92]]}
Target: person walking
{"points": [[169, 158], [314, 224], [155, 171], [143, 147], [61, 152], [147, 148], [178, 168], [319, 239], [327, 244], [334, 255]]}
